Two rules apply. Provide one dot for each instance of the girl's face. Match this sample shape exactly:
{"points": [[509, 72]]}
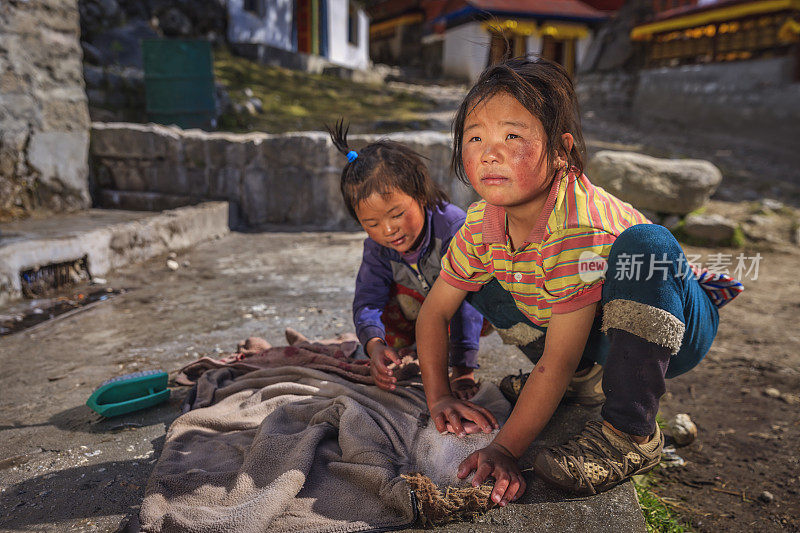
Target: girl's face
{"points": [[394, 220], [503, 152]]}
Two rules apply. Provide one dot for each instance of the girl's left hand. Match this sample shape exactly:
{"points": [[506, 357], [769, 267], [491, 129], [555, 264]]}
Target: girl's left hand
{"points": [[497, 462]]}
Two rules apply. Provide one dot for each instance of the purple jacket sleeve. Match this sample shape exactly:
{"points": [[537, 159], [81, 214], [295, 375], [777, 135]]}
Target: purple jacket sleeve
{"points": [[373, 283]]}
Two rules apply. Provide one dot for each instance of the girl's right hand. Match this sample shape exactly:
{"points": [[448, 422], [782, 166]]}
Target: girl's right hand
{"points": [[461, 417], [380, 356]]}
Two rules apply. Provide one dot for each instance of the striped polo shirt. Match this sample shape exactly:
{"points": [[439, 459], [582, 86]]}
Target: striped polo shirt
{"points": [[546, 274]]}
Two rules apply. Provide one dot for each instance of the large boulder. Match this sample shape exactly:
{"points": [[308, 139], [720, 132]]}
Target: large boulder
{"points": [[710, 228], [677, 186]]}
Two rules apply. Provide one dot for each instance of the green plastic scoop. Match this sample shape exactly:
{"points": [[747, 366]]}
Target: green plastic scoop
{"points": [[128, 393]]}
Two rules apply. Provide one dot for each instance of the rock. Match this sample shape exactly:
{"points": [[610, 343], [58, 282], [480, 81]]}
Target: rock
{"points": [[172, 255], [683, 429], [712, 228], [770, 205], [670, 458], [174, 23], [250, 108], [764, 227], [671, 222], [258, 104], [766, 497], [172, 265], [772, 392], [664, 185], [248, 92], [791, 399]]}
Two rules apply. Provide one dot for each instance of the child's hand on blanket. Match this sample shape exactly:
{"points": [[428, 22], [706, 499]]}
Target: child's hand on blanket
{"points": [[497, 462], [380, 356], [461, 417]]}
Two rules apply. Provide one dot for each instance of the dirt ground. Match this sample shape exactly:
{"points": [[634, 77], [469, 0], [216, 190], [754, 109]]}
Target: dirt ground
{"points": [[747, 440]]}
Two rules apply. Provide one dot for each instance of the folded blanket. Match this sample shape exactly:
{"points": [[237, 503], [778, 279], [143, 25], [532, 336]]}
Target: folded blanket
{"points": [[297, 449]]}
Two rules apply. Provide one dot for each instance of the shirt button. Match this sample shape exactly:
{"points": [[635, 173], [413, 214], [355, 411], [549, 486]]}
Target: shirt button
{"points": [[518, 276]]}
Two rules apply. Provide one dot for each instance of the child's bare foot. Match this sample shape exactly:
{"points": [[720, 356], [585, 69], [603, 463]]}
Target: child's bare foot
{"points": [[462, 382], [253, 345]]}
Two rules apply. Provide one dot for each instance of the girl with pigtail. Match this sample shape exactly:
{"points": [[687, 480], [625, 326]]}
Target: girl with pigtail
{"points": [[409, 222]]}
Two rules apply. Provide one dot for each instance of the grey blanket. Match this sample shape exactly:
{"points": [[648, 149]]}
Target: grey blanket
{"points": [[297, 449]]}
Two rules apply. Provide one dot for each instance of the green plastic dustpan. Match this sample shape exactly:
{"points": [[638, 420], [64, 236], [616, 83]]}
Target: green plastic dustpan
{"points": [[128, 393]]}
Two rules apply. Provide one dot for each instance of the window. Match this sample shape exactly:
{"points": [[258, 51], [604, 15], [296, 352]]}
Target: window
{"points": [[352, 24], [255, 7]]}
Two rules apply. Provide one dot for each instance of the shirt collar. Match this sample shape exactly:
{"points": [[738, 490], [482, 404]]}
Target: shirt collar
{"points": [[494, 219]]}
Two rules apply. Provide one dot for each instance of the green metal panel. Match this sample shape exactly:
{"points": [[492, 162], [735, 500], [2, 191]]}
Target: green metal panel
{"points": [[179, 82]]}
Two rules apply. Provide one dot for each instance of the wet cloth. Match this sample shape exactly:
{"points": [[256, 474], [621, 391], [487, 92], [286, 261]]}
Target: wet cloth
{"points": [[298, 449]]}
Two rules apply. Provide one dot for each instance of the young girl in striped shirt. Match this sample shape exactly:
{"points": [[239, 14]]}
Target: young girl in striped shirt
{"points": [[547, 256]]}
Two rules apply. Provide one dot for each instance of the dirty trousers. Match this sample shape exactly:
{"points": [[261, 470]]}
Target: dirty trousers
{"points": [[646, 330]]}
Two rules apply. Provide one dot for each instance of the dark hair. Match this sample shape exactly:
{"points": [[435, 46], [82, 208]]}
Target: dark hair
{"points": [[382, 166], [543, 88]]}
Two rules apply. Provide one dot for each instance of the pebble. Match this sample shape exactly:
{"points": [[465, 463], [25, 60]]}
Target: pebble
{"points": [[772, 205], [172, 264], [791, 399], [766, 497], [772, 392], [172, 255], [670, 458], [684, 431]]}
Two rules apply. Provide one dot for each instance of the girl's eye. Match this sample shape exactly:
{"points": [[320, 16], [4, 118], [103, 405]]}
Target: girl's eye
{"points": [[398, 215], [512, 136], [475, 139]]}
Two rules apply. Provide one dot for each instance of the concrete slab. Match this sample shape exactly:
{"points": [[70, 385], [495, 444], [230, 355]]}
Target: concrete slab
{"points": [[108, 239], [64, 469]]}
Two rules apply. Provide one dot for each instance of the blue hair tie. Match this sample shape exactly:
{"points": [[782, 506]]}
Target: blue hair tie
{"points": [[351, 156]]}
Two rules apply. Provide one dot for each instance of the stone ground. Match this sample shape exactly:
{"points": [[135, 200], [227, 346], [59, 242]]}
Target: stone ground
{"points": [[63, 468]]}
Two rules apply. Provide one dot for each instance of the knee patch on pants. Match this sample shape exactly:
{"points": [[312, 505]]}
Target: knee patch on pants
{"points": [[650, 323]]}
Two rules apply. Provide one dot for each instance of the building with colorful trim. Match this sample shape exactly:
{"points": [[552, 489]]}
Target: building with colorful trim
{"points": [[465, 36], [718, 31], [336, 30]]}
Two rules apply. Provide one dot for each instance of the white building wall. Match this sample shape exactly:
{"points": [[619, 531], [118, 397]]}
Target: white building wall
{"points": [[274, 28], [466, 51], [340, 51], [534, 45]]}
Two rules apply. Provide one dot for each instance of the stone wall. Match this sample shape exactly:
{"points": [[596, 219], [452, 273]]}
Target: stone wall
{"points": [[44, 121], [269, 179], [755, 99]]}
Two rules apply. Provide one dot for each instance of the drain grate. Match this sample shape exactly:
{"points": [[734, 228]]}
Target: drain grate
{"points": [[44, 281]]}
